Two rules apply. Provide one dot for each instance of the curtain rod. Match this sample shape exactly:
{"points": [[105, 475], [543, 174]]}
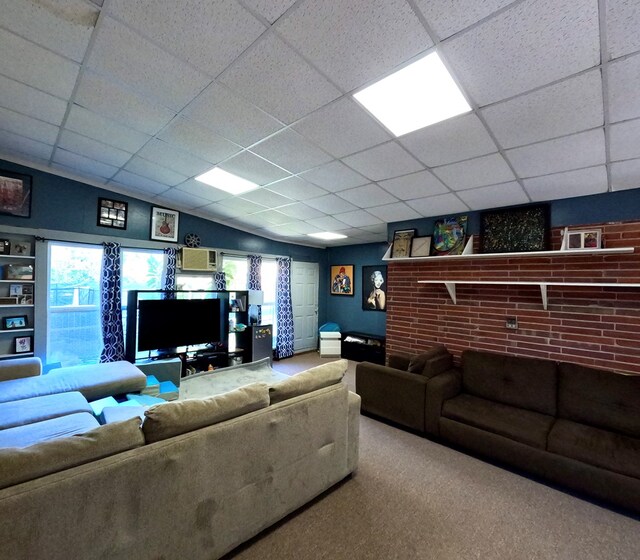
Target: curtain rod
{"points": [[228, 254], [94, 243]]}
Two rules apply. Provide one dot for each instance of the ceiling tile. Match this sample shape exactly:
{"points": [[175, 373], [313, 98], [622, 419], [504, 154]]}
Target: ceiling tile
{"points": [[564, 108], [452, 140], [271, 10], [251, 167], [268, 217], [303, 228], [266, 198], [331, 204], [569, 184], [342, 128], [181, 199], [290, 150], [300, 211], [383, 162], [198, 140], [133, 60], [136, 181], [394, 212], [625, 175], [174, 158], [438, 205], [99, 128], [14, 143], [447, 17], [531, 34], [275, 78], [244, 206], [65, 26], [357, 218], [93, 149], [377, 228], [326, 223], [334, 177], [32, 65], [414, 185], [154, 171], [29, 101], [622, 24], [624, 83], [624, 140], [367, 196], [209, 193], [83, 164], [216, 210], [231, 116], [478, 172], [561, 154], [296, 189], [494, 196], [192, 29], [120, 104], [26, 126], [357, 41]]}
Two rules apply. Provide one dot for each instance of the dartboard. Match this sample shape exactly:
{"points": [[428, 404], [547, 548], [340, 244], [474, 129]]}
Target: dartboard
{"points": [[192, 240]]}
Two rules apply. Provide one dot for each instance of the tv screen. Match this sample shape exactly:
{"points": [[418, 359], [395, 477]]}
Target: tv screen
{"points": [[169, 323]]}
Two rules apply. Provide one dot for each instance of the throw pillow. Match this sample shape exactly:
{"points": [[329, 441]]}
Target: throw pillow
{"points": [[163, 421], [20, 465], [309, 380]]}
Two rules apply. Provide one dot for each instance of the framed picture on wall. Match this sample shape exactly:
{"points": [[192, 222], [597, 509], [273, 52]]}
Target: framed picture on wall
{"points": [[581, 239], [342, 280], [449, 235], [421, 246], [514, 230], [402, 243], [15, 194], [374, 294], [112, 213], [164, 224]]}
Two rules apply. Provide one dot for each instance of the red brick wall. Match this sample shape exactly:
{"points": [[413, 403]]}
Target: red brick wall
{"points": [[598, 327]]}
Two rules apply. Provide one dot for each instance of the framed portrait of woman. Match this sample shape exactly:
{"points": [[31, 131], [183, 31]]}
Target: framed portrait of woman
{"points": [[374, 288]]}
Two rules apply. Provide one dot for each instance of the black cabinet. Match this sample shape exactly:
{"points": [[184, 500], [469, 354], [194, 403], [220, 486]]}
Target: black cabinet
{"points": [[362, 347]]}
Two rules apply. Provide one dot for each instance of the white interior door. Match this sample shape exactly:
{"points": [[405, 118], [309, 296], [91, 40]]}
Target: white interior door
{"points": [[304, 299]]}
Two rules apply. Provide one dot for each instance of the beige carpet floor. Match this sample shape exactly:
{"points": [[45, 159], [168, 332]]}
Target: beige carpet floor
{"points": [[413, 498]]}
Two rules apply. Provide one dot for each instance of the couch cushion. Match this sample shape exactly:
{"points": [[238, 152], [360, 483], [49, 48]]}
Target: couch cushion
{"points": [[517, 424], [20, 465], [309, 380], [601, 448], [93, 381], [36, 409], [178, 417], [432, 362], [528, 383], [600, 398], [62, 426]]}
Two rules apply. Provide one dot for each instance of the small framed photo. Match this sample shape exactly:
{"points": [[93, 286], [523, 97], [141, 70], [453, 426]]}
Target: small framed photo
{"points": [[15, 322], [342, 280], [582, 239], [5, 246], [23, 344], [112, 213], [21, 248], [164, 224], [18, 272], [421, 246], [21, 290], [15, 194], [8, 300], [402, 243]]}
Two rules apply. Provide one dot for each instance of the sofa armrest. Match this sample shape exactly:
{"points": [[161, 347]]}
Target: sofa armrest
{"points": [[20, 367], [439, 389], [399, 361], [353, 432]]}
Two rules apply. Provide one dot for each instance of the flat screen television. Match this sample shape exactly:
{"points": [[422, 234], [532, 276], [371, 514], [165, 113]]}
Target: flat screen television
{"points": [[171, 323]]}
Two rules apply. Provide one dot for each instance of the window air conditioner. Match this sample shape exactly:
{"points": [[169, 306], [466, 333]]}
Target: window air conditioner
{"points": [[203, 260]]}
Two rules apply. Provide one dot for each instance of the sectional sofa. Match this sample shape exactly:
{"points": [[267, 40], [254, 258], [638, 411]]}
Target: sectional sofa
{"points": [[200, 477]]}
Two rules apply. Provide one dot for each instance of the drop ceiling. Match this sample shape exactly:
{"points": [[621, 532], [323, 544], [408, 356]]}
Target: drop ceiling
{"points": [[141, 96]]}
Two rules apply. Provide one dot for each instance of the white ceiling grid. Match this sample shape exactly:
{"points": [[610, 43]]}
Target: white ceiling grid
{"points": [[140, 96]]}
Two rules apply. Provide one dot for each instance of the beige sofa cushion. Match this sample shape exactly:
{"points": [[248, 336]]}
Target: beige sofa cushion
{"points": [[163, 421], [20, 465], [309, 380]]}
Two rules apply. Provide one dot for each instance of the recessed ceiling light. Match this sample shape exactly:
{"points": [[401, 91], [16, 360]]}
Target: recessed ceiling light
{"points": [[225, 181], [327, 235], [420, 94]]}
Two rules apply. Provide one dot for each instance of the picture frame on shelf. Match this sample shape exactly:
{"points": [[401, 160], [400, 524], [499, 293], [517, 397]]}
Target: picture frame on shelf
{"points": [[15, 322], [342, 280], [8, 300], [20, 290], [164, 224], [15, 194], [402, 243], [585, 239], [374, 290], [515, 230], [421, 246], [112, 213], [5, 247], [18, 272], [20, 248], [23, 344], [449, 236]]}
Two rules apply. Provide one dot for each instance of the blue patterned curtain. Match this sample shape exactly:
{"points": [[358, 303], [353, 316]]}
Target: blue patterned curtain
{"points": [[169, 283], [254, 278], [284, 309], [111, 304], [219, 281]]}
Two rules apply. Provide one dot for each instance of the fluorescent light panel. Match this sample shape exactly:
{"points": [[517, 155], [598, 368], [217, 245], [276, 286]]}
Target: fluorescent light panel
{"points": [[420, 94], [225, 181], [327, 235]]}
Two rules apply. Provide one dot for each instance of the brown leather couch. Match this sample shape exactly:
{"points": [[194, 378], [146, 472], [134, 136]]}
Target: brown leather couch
{"points": [[567, 423]]}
